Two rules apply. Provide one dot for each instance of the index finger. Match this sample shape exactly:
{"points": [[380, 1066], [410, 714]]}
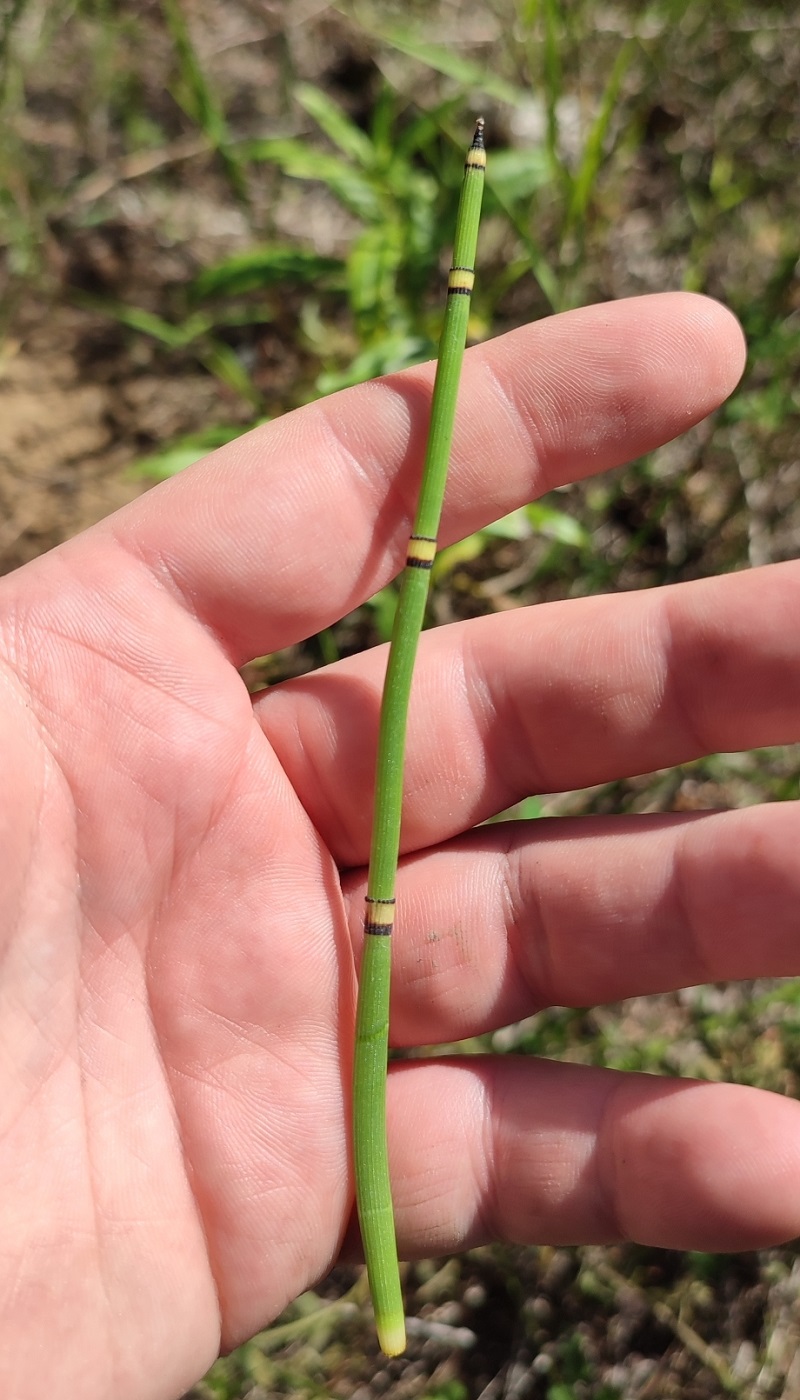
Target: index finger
{"points": [[285, 530]]}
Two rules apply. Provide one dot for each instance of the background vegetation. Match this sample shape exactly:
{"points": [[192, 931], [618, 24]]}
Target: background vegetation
{"points": [[212, 212]]}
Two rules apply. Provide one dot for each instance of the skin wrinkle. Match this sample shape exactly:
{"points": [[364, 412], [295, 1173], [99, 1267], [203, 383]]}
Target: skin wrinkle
{"points": [[465, 1197], [490, 1214], [165, 574], [162, 560], [525, 424], [9, 1125], [320, 774], [558, 1155], [682, 715], [200, 1194], [659, 689], [477, 695], [553, 406], [483, 1153], [203, 1212], [590, 694], [307, 743], [503, 714], [537, 938], [129, 668], [629, 699], [392, 494], [160, 552], [12, 926], [216, 810], [49, 977], [513, 911], [386, 499], [515, 710], [641, 655], [115, 1368], [430, 1191], [379, 481], [702, 970], [479, 1150], [610, 1164], [757, 847]]}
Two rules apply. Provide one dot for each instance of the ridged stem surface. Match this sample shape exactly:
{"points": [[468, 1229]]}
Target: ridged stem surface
{"points": [[373, 1188]]}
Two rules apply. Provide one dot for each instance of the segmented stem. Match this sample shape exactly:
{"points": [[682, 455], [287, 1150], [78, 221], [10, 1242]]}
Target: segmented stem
{"points": [[373, 1190]]}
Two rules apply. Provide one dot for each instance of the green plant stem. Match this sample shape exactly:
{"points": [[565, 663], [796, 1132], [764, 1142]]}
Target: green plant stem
{"points": [[373, 1190]]}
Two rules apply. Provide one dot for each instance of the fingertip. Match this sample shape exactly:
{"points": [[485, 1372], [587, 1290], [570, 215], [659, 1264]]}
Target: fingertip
{"points": [[719, 338], [722, 1165]]}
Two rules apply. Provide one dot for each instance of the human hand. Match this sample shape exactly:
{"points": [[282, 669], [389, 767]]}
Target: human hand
{"points": [[183, 871]]}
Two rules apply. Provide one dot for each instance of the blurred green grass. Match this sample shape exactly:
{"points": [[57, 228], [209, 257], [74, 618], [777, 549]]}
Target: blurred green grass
{"points": [[632, 148]]}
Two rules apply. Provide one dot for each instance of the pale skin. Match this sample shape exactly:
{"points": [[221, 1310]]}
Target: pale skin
{"points": [[183, 874]]}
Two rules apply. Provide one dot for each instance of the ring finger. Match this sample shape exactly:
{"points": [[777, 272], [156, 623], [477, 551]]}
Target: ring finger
{"points": [[507, 919]]}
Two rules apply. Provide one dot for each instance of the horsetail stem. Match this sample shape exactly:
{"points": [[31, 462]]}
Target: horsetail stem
{"points": [[373, 1189]]}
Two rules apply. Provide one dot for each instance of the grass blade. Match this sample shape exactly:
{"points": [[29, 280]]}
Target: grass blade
{"points": [[303, 162], [337, 126], [592, 158], [465, 71], [198, 98], [265, 267]]}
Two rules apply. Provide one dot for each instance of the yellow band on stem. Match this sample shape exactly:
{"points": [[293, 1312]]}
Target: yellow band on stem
{"points": [[461, 279], [422, 551]]}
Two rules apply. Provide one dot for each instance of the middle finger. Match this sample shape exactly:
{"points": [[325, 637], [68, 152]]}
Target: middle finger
{"points": [[546, 699]]}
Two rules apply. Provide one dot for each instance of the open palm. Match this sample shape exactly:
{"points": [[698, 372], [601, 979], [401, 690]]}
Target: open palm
{"points": [[183, 869]]}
